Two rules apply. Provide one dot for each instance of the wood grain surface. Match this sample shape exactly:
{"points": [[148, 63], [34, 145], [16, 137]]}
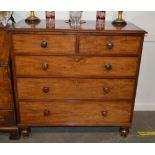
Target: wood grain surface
{"points": [[75, 66], [31, 88], [74, 113]]}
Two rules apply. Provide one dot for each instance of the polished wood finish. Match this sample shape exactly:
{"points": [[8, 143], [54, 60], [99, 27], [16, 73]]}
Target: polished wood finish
{"points": [[75, 66], [4, 46], [43, 43], [75, 77], [74, 88], [5, 102], [6, 118], [109, 44], [2, 33], [7, 111], [89, 26], [67, 113], [4, 80]]}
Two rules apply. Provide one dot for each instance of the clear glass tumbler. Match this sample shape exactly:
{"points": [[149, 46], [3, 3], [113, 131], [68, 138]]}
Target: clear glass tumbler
{"points": [[75, 17]]}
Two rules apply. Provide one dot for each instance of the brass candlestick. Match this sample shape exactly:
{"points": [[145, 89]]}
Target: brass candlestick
{"points": [[119, 21], [32, 19]]}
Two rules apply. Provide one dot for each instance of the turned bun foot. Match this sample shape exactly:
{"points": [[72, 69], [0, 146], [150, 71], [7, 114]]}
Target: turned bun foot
{"points": [[124, 132], [25, 132]]}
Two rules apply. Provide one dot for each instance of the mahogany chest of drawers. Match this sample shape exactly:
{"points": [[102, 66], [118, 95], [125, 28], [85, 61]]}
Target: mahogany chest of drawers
{"points": [[7, 110], [75, 77]]}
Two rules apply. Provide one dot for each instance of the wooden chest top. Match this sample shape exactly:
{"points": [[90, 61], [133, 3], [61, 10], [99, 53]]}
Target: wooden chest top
{"points": [[89, 26]]}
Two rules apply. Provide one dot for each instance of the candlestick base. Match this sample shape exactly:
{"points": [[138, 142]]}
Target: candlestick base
{"points": [[119, 23]]}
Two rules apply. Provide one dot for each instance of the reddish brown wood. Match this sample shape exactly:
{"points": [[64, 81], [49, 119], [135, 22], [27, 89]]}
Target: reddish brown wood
{"points": [[69, 113], [7, 111], [64, 76], [31, 43], [89, 27], [75, 66], [5, 101], [7, 118], [74, 88], [109, 44], [4, 46]]}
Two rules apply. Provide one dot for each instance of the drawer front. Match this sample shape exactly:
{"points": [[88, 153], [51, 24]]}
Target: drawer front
{"points": [[60, 66], [42, 44], [6, 118], [87, 113], [110, 44], [5, 101], [74, 88]]}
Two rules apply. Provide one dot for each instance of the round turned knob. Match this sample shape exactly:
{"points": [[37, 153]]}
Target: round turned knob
{"points": [[46, 112], [45, 66], [108, 67], [104, 113], [45, 89], [77, 59], [43, 44], [110, 45], [106, 90]]}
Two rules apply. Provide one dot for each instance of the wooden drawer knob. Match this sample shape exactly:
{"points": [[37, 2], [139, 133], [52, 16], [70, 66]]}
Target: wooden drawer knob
{"points": [[77, 59], [45, 89], [108, 67], [46, 112], [106, 90], [45, 66], [104, 113], [110, 45], [43, 44]]}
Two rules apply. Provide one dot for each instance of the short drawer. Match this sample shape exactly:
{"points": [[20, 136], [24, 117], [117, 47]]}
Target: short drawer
{"points": [[43, 44], [110, 44], [5, 101], [71, 66], [80, 113], [45, 88], [7, 118]]}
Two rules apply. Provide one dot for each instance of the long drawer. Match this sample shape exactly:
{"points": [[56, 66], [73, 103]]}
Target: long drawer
{"points": [[65, 66], [109, 44], [43, 44], [45, 88], [7, 118], [87, 113]]}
